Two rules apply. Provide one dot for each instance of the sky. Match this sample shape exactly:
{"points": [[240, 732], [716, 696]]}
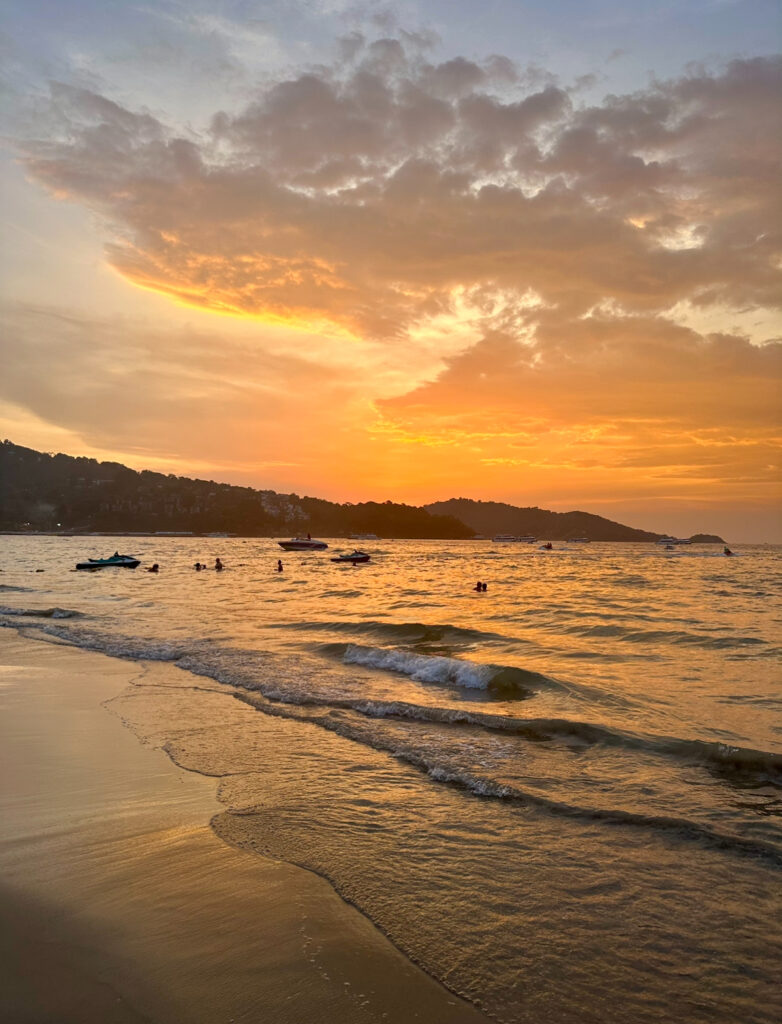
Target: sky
{"points": [[515, 251]]}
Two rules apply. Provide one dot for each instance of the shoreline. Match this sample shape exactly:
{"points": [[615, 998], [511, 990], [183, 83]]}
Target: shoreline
{"points": [[121, 904]]}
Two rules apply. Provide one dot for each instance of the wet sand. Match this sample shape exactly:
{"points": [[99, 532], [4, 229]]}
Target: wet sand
{"points": [[120, 904]]}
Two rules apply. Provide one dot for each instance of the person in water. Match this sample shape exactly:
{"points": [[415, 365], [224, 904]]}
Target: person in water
{"points": [[478, 586], [218, 565], [154, 568], [279, 565]]}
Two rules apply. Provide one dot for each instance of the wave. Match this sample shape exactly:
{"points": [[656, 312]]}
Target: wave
{"points": [[42, 613], [260, 680], [678, 637], [476, 785], [425, 668], [765, 766], [404, 632]]}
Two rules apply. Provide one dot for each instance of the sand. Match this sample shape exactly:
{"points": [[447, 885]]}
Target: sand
{"points": [[120, 904]]}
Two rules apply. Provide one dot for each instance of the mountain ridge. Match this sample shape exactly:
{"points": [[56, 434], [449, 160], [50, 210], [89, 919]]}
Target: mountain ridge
{"points": [[75, 494], [495, 517]]}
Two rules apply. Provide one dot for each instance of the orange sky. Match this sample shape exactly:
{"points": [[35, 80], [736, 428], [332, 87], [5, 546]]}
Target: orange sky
{"points": [[401, 277]]}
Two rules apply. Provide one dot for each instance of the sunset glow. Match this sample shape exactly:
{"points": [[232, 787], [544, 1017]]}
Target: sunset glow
{"points": [[369, 256]]}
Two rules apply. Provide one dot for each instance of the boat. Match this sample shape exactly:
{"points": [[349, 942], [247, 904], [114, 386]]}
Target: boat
{"points": [[665, 541], [508, 538], [116, 561], [303, 544], [354, 558], [578, 540]]}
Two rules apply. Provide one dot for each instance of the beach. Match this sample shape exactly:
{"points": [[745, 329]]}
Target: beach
{"points": [[120, 904]]}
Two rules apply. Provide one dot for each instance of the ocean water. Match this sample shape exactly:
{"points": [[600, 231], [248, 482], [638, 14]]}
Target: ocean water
{"points": [[561, 797]]}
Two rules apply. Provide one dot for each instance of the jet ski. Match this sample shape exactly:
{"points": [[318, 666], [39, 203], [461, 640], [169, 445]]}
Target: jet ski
{"points": [[355, 558], [116, 561]]}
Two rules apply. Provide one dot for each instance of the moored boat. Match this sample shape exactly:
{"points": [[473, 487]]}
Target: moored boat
{"points": [[116, 561], [303, 544], [509, 538]]}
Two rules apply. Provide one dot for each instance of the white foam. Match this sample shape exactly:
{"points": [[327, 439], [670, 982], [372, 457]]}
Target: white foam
{"points": [[421, 667]]}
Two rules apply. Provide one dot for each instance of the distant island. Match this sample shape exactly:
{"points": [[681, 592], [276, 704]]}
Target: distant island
{"points": [[44, 492]]}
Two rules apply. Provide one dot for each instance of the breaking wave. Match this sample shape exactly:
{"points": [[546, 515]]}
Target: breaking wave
{"points": [[425, 668]]}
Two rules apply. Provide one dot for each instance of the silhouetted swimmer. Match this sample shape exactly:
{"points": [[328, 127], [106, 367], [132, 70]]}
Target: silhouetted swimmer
{"points": [[198, 567], [154, 568], [279, 565], [484, 587], [218, 565], [478, 586]]}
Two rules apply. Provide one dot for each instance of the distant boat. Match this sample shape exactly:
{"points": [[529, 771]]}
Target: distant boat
{"points": [[578, 540], [303, 544], [508, 538], [673, 540], [364, 536], [354, 558], [116, 561]]}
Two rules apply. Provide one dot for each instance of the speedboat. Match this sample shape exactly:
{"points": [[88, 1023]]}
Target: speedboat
{"points": [[303, 544], [354, 558], [116, 561]]}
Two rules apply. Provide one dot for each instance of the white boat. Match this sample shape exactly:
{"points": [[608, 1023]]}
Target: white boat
{"points": [[509, 538], [303, 544]]}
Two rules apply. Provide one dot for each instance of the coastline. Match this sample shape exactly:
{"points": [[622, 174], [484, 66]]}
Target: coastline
{"points": [[121, 904]]}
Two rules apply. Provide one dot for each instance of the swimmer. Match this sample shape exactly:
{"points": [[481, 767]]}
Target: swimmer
{"points": [[218, 565], [279, 565], [154, 568], [478, 586], [484, 587]]}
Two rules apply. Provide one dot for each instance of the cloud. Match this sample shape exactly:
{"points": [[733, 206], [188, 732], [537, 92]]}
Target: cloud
{"points": [[634, 406], [194, 397], [366, 194]]}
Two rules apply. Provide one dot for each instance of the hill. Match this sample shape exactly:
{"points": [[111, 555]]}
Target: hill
{"points": [[492, 517], [39, 491]]}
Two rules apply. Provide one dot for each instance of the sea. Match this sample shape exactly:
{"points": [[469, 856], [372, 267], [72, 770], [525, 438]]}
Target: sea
{"points": [[560, 796]]}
